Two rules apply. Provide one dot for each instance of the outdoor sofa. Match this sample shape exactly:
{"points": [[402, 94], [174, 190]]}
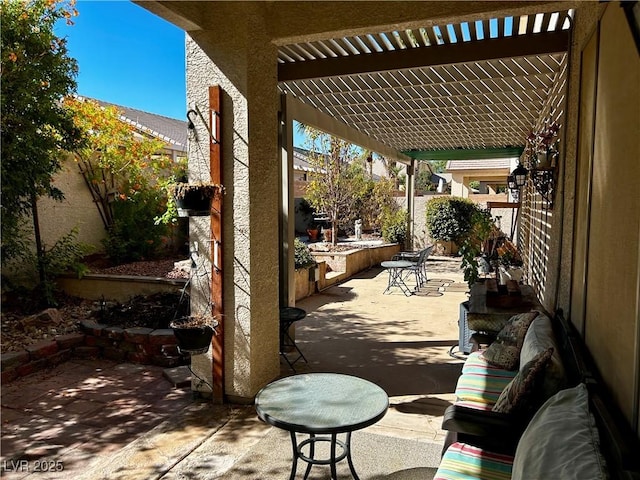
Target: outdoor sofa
{"points": [[532, 406]]}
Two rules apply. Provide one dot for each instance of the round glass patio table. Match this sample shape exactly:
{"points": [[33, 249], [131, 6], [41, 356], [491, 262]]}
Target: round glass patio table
{"points": [[321, 403]]}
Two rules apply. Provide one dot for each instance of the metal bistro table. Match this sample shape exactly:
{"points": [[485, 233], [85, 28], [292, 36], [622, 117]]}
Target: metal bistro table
{"points": [[321, 403], [395, 268]]}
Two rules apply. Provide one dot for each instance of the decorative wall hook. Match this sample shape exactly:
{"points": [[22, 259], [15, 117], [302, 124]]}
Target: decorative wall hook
{"points": [[210, 129], [544, 182]]}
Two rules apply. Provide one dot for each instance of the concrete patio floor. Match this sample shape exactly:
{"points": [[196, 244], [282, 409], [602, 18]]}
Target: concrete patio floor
{"points": [[99, 419]]}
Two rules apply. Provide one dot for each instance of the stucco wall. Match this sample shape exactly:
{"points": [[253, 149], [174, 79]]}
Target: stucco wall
{"points": [[77, 210], [238, 57], [612, 280]]}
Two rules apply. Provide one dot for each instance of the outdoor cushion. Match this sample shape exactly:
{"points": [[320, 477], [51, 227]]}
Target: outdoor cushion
{"points": [[522, 396], [477, 364], [561, 441], [486, 323], [481, 382], [539, 337], [463, 462], [504, 352]]}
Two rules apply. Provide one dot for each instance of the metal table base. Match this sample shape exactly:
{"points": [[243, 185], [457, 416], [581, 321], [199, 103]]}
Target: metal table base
{"points": [[396, 277], [331, 461]]}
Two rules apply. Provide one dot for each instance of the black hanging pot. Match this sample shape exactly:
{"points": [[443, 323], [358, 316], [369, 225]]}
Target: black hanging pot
{"points": [[192, 338], [194, 199], [194, 203]]}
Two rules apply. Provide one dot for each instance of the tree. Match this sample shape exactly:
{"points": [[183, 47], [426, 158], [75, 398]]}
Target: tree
{"points": [[438, 166], [127, 178], [335, 184], [36, 75], [423, 178]]}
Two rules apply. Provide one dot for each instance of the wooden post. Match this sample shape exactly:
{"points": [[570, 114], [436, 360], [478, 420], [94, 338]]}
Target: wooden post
{"points": [[215, 155]]}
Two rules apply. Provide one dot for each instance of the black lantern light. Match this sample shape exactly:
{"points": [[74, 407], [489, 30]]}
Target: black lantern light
{"points": [[519, 175]]}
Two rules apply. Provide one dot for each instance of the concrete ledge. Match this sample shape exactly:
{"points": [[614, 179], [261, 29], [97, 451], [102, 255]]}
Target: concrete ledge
{"points": [[346, 264], [119, 288]]}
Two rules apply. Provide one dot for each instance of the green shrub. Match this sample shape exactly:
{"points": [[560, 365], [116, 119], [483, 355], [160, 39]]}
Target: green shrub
{"points": [[64, 256], [394, 226], [134, 235], [449, 219], [473, 244], [302, 255]]}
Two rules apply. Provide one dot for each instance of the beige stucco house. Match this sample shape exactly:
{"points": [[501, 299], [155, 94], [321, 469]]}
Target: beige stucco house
{"points": [[490, 173], [358, 69]]}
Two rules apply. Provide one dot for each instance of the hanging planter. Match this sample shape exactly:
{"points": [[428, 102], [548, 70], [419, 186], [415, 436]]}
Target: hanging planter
{"points": [[194, 333], [194, 199]]}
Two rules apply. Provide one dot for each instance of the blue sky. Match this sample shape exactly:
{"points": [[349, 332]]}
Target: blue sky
{"points": [[128, 56]]}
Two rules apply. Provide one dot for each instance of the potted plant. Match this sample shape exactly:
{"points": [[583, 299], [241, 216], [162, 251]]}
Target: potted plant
{"points": [[476, 242], [194, 198], [509, 263], [313, 233], [449, 219], [194, 333], [542, 147]]}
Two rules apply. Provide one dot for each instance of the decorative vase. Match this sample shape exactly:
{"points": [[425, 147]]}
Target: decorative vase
{"points": [[313, 234]]}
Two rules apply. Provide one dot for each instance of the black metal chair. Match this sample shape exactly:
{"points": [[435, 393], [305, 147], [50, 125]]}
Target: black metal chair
{"points": [[419, 267], [288, 316]]}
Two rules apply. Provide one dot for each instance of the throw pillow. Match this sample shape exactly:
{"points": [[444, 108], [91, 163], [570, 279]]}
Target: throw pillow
{"points": [[539, 337], [504, 352], [561, 441], [522, 396]]}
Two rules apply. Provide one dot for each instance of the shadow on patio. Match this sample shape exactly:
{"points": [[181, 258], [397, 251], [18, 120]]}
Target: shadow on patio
{"points": [[400, 343], [100, 420]]}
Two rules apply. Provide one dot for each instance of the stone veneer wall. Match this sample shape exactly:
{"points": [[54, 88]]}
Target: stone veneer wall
{"points": [[136, 345]]}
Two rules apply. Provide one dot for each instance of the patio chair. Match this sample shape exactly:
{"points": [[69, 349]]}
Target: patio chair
{"points": [[419, 268]]}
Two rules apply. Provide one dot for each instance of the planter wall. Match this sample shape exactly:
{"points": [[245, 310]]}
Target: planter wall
{"points": [[136, 345], [304, 286], [346, 264], [119, 288]]}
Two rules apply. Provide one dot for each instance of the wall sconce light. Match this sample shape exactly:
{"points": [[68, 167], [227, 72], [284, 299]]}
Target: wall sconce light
{"points": [[214, 120], [520, 176], [516, 180]]}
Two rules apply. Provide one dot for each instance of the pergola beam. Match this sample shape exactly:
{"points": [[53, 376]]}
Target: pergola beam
{"points": [[489, 49], [310, 116], [466, 153]]}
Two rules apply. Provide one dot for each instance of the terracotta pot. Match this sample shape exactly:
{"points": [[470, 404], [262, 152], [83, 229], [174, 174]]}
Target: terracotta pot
{"points": [[313, 234]]}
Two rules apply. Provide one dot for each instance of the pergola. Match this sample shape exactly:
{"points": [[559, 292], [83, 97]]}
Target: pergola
{"points": [[430, 92], [408, 80]]}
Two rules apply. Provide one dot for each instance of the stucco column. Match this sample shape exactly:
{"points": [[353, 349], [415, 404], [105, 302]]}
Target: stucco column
{"points": [[239, 57]]}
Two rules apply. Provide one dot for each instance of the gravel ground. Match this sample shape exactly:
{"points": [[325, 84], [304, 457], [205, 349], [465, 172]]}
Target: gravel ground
{"points": [[17, 331]]}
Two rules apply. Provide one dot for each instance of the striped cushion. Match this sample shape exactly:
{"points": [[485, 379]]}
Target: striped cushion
{"points": [[481, 382], [465, 462], [476, 405]]}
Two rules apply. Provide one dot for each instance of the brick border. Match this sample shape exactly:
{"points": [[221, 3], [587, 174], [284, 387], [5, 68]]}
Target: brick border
{"points": [[136, 345]]}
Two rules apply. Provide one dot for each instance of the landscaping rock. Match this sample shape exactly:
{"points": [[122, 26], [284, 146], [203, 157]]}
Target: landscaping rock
{"points": [[46, 318]]}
